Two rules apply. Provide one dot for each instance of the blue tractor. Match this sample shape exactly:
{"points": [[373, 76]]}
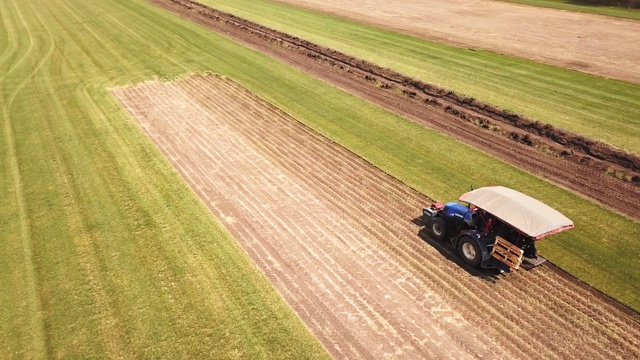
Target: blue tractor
{"points": [[497, 228]]}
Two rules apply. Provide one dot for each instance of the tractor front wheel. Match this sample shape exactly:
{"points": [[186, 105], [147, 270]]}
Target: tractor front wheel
{"points": [[469, 251], [438, 228]]}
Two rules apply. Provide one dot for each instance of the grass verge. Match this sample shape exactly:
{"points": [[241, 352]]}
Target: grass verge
{"points": [[596, 107]]}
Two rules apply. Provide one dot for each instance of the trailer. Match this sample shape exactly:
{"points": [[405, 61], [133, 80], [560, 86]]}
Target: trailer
{"points": [[497, 228]]}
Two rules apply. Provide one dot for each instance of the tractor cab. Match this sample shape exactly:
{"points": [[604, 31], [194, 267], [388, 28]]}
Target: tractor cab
{"points": [[497, 228], [458, 211]]}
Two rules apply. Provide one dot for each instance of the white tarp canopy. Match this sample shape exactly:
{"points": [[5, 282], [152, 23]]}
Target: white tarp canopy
{"points": [[528, 215]]}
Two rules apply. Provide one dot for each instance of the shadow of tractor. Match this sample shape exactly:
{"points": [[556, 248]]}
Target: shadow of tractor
{"points": [[445, 248]]}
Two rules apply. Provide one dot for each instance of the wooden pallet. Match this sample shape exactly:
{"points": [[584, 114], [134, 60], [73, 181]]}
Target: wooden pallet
{"points": [[507, 253]]}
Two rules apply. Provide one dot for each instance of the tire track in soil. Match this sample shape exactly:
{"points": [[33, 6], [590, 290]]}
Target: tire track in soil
{"points": [[334, 235], [444, 112]]}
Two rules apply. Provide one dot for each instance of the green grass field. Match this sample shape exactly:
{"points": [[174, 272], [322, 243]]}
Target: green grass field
{"points": [[105, 251], [572, 5], [596, 107]]}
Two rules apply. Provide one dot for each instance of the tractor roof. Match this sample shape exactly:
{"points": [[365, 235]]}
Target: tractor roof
{"points": [[526, 214]]}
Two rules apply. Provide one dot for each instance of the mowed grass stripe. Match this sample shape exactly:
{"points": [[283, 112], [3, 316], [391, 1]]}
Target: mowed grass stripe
{"points": [[4, 35], [129, 263], [484, 68], [80, 191], [42, 221], [592, 106], [137, 37], [10, 41], [19, 57], [109, 57], [28, 326]]}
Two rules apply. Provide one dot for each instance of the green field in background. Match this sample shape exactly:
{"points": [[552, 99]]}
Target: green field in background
{"points": [[596, 107], [572, 5], [106, 252]]}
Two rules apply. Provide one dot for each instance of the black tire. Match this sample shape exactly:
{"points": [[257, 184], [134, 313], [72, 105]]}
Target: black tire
{"points": [[469, 251], [438, 228]]}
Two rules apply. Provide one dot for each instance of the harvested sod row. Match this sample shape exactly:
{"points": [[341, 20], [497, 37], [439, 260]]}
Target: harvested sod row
{"points": [[335, 236]]}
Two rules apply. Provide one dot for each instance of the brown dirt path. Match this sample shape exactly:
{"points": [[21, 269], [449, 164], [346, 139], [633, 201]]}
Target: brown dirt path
{"points": [[599, 45], [335, 236], [439, 109]]}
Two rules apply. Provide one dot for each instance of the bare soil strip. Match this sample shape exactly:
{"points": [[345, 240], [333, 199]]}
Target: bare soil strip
{"points": [[335, 236], [580, 168], [593, 44]]}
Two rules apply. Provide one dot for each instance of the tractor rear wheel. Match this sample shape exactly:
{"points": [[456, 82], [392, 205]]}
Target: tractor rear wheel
{"points": [[469, 251], [438, 228]]}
